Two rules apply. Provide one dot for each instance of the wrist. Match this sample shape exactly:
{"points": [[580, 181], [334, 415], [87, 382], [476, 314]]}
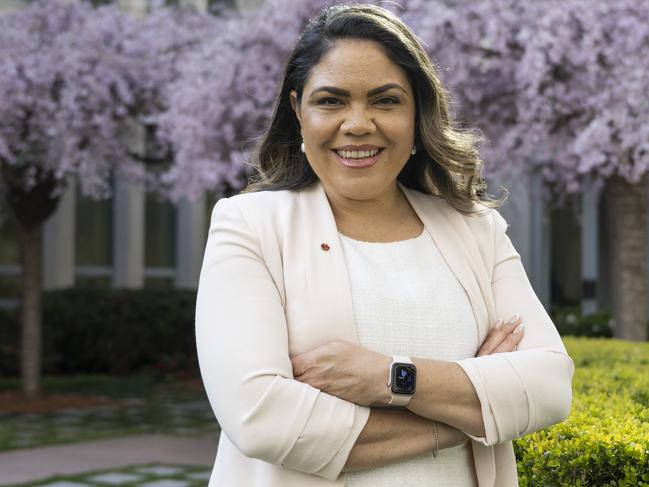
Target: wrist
{"points": [[449, 436], [382, 394]]}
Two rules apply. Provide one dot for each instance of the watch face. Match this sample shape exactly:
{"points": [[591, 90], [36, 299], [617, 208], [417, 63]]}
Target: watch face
{"points": [[403, 378]]}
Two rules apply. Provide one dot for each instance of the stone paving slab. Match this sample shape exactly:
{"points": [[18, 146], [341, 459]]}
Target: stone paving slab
{"points": [[158, 470], [33, 464], [166, 417], [166, 483], [151, 475], [115, 478]]}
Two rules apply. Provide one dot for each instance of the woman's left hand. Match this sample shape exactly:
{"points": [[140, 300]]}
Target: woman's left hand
{"points": [[345, 370]]}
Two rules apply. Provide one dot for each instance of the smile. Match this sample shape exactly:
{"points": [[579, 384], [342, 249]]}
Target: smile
{"points": [[358, 159]]}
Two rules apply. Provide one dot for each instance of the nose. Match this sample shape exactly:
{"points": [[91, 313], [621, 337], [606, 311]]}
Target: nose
{"points": [[357, 122]]}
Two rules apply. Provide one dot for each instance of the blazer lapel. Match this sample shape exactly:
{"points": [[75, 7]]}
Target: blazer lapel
{"points": [[325, 266]]}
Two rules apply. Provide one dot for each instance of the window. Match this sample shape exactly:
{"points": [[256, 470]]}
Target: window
{"points": [[93, 241], [159, 242], [10, 268]]}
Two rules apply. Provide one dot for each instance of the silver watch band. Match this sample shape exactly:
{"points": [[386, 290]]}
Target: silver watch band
{"points": [[398, 399]]}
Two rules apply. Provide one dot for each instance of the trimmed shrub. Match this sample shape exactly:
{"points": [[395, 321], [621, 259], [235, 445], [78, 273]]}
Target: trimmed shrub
{"points": [[605, 440], [9, 341]]}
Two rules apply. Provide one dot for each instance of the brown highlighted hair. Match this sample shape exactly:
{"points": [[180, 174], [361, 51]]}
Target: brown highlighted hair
{"points": [[447, 162]]}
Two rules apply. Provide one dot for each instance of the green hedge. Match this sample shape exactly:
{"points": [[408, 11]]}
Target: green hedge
{"points": [[109, 331], [9, 342], [605, 440]]}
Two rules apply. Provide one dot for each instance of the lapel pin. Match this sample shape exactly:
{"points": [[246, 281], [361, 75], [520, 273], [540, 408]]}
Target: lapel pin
{"points": [[324, 246]]}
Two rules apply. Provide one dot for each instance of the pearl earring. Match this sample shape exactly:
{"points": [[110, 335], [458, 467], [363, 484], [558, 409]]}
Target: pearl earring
{"points": [[302, 149], [414, 150]]}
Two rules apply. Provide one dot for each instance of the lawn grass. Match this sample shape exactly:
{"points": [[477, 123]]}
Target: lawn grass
{"points": [[95, 384]]}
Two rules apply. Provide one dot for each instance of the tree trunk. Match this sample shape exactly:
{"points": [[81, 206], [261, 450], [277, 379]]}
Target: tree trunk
{"points": [[31, 310], [30, 207], [627, 228]]}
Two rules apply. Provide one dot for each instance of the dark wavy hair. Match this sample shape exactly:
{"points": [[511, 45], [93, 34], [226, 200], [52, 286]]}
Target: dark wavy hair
{"points": [[447, 162]]}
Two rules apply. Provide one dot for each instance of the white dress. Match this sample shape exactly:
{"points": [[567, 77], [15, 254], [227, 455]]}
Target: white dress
{"points": [[408, 302]]}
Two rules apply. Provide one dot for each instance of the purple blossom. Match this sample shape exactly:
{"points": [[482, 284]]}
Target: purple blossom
{"points": [[558, 87], [582, 91], [76, 83]]}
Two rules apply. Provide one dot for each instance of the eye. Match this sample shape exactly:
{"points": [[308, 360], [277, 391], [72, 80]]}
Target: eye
{"points": [[388, 101], [328, 101]]}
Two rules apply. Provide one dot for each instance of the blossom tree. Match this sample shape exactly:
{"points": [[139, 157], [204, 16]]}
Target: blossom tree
{"points": [[582, 106], [73, 81]]}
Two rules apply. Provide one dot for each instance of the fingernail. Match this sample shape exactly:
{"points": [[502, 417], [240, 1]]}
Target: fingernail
{"points": [[515, 318], [518, 329], [500, 323]]}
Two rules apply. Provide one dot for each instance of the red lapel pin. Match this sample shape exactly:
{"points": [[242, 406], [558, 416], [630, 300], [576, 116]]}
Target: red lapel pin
{"points": [[324, 246]]}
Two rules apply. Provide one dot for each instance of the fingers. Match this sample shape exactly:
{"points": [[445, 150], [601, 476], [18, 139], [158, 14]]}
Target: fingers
{"points": [[300, 364], [510, 342], [497, 334], [306, 360], [502, 336]]}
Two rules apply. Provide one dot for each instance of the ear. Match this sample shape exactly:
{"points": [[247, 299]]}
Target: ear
{"points": [[295, 104]]}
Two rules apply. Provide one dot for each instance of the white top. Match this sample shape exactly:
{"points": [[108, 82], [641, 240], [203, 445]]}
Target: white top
{"points": [[408, 302]]}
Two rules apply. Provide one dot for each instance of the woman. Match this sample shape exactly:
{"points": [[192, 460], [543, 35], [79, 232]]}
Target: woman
{"points": [[348, 314]]}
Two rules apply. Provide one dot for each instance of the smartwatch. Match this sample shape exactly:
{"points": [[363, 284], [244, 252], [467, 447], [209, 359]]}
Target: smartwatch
{"points": [[401, 380]]}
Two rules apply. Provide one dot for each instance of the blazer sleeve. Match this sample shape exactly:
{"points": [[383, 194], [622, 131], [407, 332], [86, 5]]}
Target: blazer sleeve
{"points": [[242, 345], [523, 391]]}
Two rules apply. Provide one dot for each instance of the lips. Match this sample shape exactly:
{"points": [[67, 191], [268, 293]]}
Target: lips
{"points": [[359, 163], [359, 147]]}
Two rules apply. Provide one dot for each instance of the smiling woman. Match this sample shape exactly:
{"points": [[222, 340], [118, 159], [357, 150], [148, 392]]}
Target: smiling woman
{"points": [[358, 136], [350, 319]]}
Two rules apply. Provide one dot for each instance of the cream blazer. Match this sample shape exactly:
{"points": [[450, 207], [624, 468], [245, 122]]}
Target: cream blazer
{"points": [[268, 291]]}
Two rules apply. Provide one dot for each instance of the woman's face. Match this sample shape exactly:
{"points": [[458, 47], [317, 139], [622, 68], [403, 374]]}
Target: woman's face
{"points": [[356, 102]]}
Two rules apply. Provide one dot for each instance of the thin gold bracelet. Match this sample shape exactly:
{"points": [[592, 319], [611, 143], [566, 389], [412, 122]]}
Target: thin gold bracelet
{"points": [[436, 440]]}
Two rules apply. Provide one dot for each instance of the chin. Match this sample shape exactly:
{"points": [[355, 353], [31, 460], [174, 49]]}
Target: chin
{"points": [[362, 188]]}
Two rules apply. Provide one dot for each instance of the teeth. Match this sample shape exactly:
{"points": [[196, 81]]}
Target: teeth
{"points": [[356, 154]]}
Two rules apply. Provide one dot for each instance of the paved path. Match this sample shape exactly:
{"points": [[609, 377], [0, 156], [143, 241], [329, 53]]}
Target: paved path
{"points": [[31, 464]]}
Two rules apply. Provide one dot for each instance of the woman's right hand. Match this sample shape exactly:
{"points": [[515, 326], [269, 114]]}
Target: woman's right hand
{"points": [[503, 337]]}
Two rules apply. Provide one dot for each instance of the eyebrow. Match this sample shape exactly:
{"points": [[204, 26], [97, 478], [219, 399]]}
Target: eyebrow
{"points": [[374, 91]]}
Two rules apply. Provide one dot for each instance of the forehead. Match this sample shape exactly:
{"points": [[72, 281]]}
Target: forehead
{"points": [[356, 64]]}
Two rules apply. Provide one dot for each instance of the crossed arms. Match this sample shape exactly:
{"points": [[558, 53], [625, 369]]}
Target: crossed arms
{"points": [[444, 394]]}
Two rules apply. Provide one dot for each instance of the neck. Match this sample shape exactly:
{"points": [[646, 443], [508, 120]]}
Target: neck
{"points": [[387, 217], [385, 206]]}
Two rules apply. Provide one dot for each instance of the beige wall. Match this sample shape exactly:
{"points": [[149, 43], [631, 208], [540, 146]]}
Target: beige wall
{"points": [[249, 4], [7, 6]]}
